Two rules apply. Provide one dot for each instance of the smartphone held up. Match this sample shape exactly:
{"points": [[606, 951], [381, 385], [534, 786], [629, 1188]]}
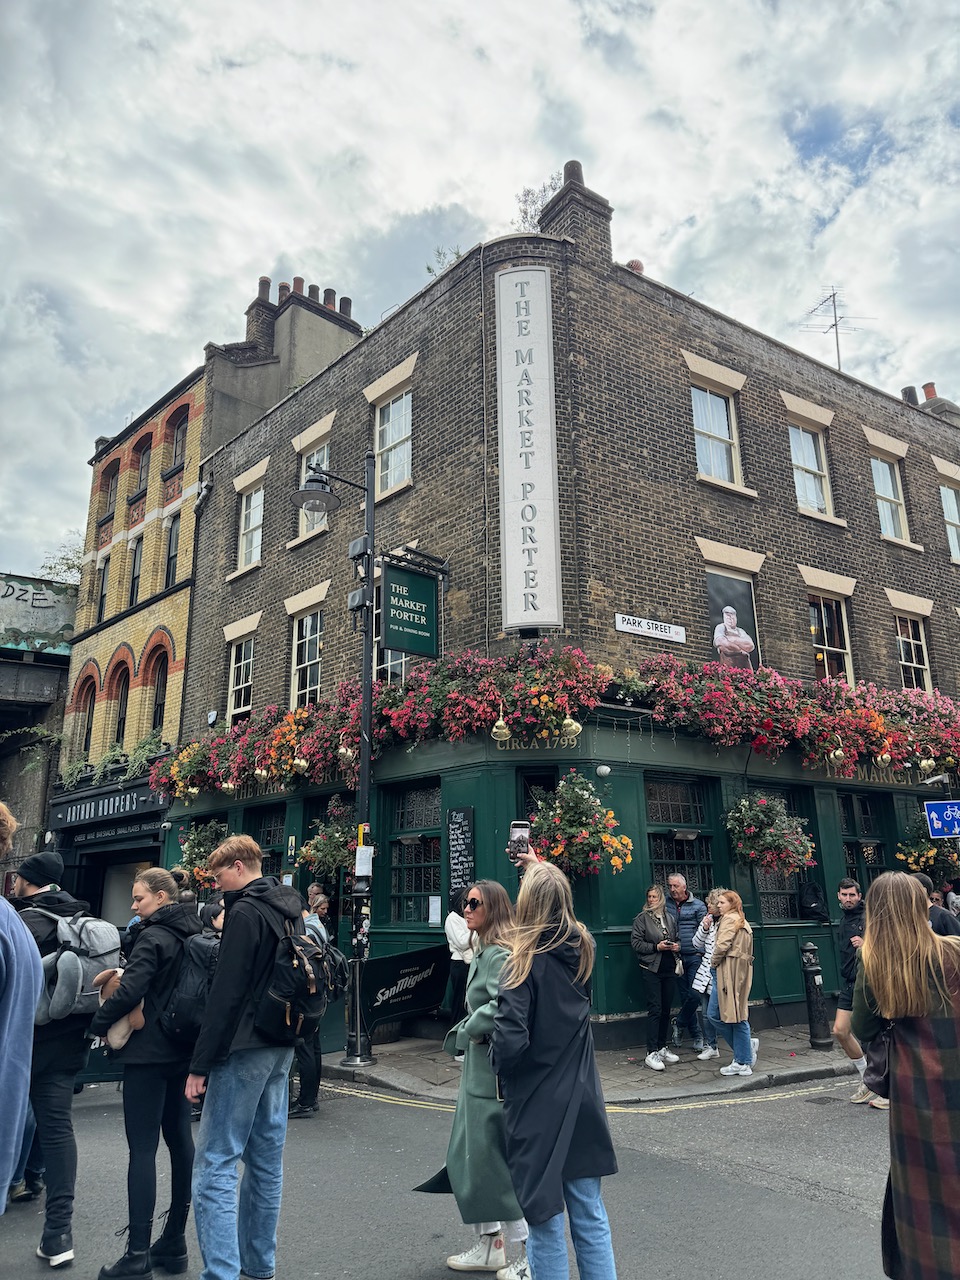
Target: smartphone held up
{"points": [[518, 844]]}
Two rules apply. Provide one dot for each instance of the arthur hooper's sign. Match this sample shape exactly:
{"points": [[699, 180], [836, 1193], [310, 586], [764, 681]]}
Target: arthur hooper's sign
{"points": [[529, 515]]}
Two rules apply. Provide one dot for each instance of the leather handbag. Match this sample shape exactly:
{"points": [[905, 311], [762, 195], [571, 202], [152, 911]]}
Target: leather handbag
{"points": [[877, 1074]]}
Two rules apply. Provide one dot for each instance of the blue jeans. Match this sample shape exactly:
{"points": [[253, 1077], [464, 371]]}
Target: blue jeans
{"points": [[687, 998], [590, 1229], [244, 1117], [736, 1034], [709, 1028]]}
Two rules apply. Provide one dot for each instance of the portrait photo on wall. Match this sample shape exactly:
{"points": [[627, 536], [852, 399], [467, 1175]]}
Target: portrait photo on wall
{"points": [[733, 621]]}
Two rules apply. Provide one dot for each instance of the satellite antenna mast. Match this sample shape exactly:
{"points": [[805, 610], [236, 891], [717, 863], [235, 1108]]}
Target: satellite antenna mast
{"points": [[832, 300]]}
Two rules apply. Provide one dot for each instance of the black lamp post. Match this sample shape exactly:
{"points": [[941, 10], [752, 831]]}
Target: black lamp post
{"points": [[317, 496]]}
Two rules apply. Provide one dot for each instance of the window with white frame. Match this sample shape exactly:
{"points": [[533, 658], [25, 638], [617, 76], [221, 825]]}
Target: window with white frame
{"points": [[389, 665], [307, 650], [251, 527], [828, 631], [714, 428], [888, 489], [312, 521], [240, 695], [393, 442], [810, 479], [950, 501], [912, 653]]}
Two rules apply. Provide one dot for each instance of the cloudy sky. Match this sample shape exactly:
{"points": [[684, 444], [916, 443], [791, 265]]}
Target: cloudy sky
{"points": [[158, 157]]}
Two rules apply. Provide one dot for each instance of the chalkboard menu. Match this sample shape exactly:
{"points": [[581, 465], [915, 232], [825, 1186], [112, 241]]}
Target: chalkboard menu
{"points": [[460, 847]]}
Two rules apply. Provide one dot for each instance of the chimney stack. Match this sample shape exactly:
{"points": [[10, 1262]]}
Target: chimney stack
{"points": [[330, 299], [346, 307], [930, 390], [909, 396]]}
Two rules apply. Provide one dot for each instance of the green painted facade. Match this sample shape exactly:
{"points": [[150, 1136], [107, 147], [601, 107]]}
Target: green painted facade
{"points": [[654, 775]]}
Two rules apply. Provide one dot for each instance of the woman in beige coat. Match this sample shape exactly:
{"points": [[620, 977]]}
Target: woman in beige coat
{"points": [[732, 964]]}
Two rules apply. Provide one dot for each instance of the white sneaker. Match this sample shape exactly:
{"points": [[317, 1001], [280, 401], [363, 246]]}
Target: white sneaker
{"points": [[708, 1053], [737, 1069], [486, 1255], [667, 1055], [517, 1270], [863, 1094], [653, 1061], [754, 1050]]}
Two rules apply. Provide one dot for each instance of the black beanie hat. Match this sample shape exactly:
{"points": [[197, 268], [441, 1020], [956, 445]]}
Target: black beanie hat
{"points": [[42, 868]]}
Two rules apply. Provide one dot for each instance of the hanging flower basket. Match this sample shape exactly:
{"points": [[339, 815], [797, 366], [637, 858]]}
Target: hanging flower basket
{"points": [[936, 858], [573, 828], [763, 834], [333, 847]]}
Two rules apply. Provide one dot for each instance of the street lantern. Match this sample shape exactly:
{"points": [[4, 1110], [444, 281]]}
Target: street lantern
{"points": [[317, 495]]}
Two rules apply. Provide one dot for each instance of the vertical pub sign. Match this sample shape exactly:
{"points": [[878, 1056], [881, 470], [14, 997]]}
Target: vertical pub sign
{"points": [[409, 610]]}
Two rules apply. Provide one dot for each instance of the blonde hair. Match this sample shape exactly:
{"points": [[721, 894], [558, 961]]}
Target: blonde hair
{"points": [[236, 849], [904, 961], [661, 906], [714, 895], [544, 921], [8, 825]]}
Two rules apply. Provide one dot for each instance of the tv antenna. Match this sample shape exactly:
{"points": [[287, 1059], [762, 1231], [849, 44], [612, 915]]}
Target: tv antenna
{"points": [[832, 303]]}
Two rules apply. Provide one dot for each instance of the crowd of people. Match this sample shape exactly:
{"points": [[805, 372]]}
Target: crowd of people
{"points": [[530, 1144]]}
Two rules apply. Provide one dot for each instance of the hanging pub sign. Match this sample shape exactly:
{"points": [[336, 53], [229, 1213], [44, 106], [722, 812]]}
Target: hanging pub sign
{"points": [[409, 610]]}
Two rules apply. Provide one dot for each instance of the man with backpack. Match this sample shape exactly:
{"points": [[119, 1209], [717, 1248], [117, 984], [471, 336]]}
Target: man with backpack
{"points": [[59, 1052], [241, 1064]]}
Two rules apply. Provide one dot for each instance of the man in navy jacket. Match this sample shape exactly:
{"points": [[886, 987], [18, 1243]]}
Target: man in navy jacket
{"points": [[688, 911]]}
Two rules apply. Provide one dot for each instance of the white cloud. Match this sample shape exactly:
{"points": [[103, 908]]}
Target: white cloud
{"points": [[158, 157]]}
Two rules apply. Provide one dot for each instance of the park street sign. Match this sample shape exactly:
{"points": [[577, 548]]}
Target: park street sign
{"points": [[409, 610], [943, 818]]}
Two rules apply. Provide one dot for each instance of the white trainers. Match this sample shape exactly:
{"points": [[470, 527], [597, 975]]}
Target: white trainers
{"points": [[863, 1094], [737, 1069], [667, 1055], [653, 1061], [518, 1269], [708, 1053], [754, 1050], [486, 1255]]}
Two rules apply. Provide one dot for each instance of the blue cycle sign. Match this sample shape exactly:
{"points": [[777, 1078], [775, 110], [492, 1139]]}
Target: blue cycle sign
{"points": [[943, 818]]}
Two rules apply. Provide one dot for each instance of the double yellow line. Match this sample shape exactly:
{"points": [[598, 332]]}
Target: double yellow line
{"points": [[645, 1109]]}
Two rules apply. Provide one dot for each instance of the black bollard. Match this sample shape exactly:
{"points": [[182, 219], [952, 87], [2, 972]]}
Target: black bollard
{"points": [[820, 1036]]}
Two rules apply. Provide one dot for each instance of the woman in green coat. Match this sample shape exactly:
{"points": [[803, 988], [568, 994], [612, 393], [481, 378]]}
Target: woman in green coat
{"points": [[476, 1169]]}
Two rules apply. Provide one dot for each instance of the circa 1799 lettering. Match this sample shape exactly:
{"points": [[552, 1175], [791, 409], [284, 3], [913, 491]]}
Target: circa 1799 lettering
{"points": [[529, 523]]}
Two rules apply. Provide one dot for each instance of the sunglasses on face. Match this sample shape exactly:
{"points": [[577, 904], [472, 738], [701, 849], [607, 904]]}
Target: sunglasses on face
{"points": [[473, 903]]}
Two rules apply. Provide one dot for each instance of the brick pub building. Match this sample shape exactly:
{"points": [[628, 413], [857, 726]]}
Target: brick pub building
{"points": [[610, 464]]}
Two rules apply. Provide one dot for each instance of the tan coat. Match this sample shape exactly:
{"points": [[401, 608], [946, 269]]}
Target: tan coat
{"points": [[732, 962]]}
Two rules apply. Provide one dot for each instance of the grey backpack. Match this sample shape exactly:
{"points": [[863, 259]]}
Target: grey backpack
{"points": [[86, 946]]}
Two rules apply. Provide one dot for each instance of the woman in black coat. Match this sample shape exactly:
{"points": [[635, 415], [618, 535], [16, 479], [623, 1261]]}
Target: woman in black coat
{"points": [[558, 1142], [154, 1074]]}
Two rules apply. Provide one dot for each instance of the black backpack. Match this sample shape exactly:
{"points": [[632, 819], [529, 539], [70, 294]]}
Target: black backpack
{"points": [[336, 971], [180, 1021], [813, 905], [295, 997]]}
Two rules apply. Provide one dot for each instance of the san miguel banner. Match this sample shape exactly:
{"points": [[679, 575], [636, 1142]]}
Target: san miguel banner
{"points": [[403, 985], [529, 506]]}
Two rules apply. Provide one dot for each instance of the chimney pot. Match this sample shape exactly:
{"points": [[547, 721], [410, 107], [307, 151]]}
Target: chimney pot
{"points": [[298, 284], [930, 390], [636, 266], [284, 291], [330, 298], [263, 290], [314, 293], [573, 172], [909, 396], [346, 307]]}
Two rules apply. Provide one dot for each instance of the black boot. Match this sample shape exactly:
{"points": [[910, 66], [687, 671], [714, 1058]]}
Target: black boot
{"points": [[136, 1260], [169, 1251]]}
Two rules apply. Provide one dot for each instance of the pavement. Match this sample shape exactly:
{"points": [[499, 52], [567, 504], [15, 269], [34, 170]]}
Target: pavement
{"points": [[420, 1069]]}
